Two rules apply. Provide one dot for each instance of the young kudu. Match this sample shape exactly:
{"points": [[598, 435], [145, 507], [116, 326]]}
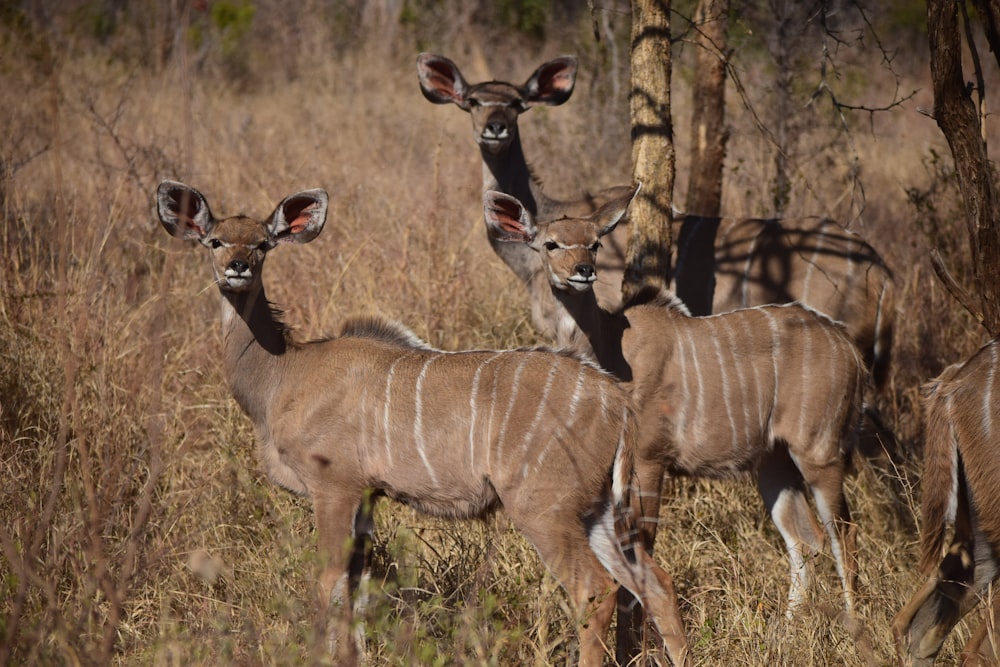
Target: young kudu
{"points": [[772, 390], [494, 107], [376, 412], [960, 484]]}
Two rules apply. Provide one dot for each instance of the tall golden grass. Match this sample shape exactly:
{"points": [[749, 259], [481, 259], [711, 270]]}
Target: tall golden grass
{"points": [[135, 527]]}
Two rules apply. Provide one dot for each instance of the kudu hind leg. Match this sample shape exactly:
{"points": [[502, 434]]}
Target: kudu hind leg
{"points": [[647, 581], [782, 489], [827, 485], [631, 633]]}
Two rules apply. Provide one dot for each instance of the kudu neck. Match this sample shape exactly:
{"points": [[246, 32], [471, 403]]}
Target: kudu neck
{"points": [[599, 330], [508, 172], [253, 343]]}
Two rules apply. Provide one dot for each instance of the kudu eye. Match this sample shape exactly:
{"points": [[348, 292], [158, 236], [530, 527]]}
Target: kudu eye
{"points": [[595, 246], [215, 243], [551, 245]]}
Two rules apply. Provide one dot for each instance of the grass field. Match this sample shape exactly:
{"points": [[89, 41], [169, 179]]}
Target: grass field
{"points": [[135, 527]]}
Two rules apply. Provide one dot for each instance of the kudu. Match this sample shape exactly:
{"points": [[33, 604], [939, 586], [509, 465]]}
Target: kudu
{"points": [[375, 412], [960, 485], [494, 107], [771, 390], [723, 264]]}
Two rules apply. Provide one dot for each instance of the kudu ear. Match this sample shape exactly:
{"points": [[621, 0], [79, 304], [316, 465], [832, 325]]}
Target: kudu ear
{"points": [[440, 80], [299, 218], [552, 83], [609, 215], [183, 211], [507, 219]]}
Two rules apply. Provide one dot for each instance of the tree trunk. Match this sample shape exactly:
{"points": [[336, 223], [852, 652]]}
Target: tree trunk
{"points": [[708, 110], [959, 120], [648, 257]]}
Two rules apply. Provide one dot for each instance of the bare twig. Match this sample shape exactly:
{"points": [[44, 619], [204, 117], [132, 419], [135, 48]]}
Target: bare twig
{"points": [[959, 293]]}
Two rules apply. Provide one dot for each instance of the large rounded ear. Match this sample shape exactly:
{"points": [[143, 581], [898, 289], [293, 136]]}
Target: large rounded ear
{"points": [[440, 80], [609, 215], [183, 211], [552, 83], [507, 219], [299, 218]]}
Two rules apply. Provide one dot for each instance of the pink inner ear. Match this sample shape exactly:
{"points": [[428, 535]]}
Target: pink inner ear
{"points": [[511, 227], [301, 221], [192, 225]]}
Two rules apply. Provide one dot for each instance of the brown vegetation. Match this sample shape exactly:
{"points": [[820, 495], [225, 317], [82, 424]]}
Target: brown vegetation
{"points": [[135, 527]]}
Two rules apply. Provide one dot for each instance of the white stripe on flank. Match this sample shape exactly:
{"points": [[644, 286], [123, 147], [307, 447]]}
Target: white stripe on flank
{"points": [[619, 476], [570, 417], [418, 425], [952, 509], [514, 386], [699, 404], [775, 355], [806, 383], [988, 395], [387, 410], [680, 423], [744, 396], [542, 403], [473, 404], [726, 393]]}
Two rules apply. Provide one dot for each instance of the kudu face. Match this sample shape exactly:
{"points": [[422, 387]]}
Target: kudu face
{"points": [[495, 105], [567, 247], [239, 244]]}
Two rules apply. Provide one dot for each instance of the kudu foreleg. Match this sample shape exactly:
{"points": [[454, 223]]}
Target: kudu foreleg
{"points": [[344, 555], [982, 649]]}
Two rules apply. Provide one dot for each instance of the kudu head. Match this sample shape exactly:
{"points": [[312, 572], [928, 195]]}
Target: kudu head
{"points": [[239, 244], [495, 105], [567, 246]]}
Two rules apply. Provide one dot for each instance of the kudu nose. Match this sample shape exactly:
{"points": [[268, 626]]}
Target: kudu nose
{"points": [[585, 271], [495, 129], [238, 266]]}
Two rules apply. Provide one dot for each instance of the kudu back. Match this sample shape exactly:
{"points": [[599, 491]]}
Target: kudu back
{"points": [[775, 391], [376, 412], [960, 485], [723, 264]]}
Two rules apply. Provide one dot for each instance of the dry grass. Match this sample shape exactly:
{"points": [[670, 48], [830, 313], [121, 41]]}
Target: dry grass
{"points": [[134, 526]]}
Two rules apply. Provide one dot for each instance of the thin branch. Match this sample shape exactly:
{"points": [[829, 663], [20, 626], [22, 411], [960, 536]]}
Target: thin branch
{"points": [[959, 293]]}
